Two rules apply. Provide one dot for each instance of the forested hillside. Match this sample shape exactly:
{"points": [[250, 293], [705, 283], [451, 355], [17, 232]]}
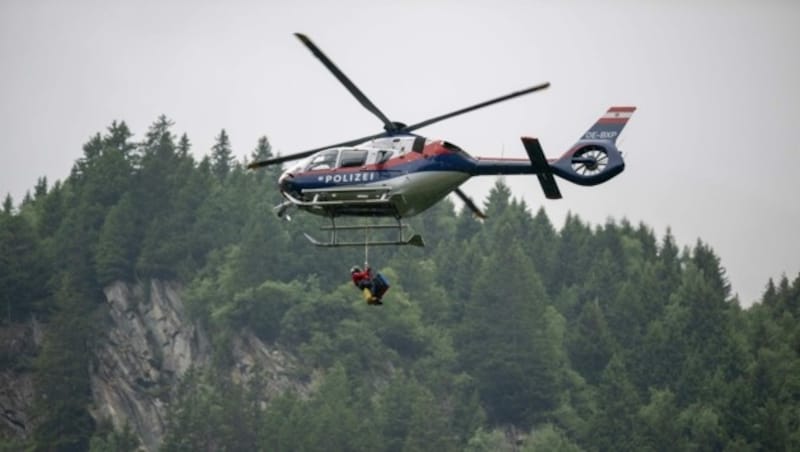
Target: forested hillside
{"points": [[508, 334]]}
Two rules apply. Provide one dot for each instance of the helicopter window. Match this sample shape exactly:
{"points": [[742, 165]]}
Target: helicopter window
{"points": [[353, 157], [383, 156], [322, 161]]}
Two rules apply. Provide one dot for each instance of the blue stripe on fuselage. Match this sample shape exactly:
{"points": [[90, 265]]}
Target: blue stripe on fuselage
{"points": [[333, 178]]}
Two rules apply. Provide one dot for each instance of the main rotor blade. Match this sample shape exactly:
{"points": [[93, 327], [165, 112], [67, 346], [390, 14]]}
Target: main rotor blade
{"points": [[428, 122], [304, 154], [468, 202], [388, 125]]}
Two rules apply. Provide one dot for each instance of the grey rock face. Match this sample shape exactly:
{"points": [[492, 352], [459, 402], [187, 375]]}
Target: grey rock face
{"points": [[149, 345]]}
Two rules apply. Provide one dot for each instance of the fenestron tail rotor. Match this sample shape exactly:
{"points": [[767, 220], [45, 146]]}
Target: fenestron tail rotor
{"points": [[390, 127], [590, 161]]}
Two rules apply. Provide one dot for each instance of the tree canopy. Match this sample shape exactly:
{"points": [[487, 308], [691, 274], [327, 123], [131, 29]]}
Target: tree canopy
{"points": [[508, 333]]}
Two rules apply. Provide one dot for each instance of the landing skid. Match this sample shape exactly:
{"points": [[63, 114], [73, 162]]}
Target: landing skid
{"points": [[333, 230]]}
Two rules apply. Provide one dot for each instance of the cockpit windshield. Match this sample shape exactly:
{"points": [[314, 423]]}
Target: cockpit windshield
{"points": [[324, 160]]}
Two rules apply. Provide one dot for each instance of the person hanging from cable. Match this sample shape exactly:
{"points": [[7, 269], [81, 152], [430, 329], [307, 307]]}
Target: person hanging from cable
{"points": [[363, 280], [373, 287]]}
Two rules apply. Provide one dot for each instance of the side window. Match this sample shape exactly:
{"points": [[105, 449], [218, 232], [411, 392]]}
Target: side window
{"points": [[383, 157], [353, 157], [322, 161]]}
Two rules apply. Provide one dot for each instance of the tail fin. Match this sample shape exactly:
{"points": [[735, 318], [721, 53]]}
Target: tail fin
{"points": [[595, 158], [610, 125]]}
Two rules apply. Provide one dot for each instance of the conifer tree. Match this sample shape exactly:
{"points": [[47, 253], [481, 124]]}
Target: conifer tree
{"points": [[184, 146], [41, 188], [23, 269], [8, 205], [591, 344], [501, 339], [221, 156], [263, 150], [61, 372], [613, 425], [116, 247]]}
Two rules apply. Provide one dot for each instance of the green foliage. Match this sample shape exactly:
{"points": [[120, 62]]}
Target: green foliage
{"points": [[588, 337], [548, 438], [221, 156], [503, 340], [114, 440], [61, 373], [211, 413], [23, 269], [116, 246], [612, 425], [488, 441]]}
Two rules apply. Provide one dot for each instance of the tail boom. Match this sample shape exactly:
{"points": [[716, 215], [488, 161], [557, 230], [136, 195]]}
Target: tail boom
{"points": [[592, 160]]}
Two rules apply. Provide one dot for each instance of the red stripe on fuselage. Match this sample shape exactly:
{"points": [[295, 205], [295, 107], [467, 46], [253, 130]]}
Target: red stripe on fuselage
{"points": [[431, 150], [612, 120], [435, 149]]}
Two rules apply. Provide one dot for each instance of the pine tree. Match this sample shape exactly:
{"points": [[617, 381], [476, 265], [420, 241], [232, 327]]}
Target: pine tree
{"points": [[184, 146], [23, 269], [613, 425], [116, 245], [427, 427], [118, 139], [263, 150], [221, 156], [591, 344], [61, 372], [41, 188], [8, 205], [51, 211], [501, 341]]}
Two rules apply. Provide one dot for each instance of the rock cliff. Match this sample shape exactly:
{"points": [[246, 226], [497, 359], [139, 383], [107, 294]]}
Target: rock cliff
{"points": [[18, 344], [147, 344]]}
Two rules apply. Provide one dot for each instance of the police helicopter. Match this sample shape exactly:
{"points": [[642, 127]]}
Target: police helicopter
{"points": [[398, 174]]}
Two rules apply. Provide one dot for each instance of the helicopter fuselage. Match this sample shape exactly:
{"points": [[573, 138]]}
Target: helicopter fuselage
{"points": [[394, 176], [401, 176], [397, 173]]}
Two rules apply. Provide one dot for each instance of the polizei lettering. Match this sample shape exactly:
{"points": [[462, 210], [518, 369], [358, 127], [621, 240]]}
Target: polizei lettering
{"points": [[349, 178]]}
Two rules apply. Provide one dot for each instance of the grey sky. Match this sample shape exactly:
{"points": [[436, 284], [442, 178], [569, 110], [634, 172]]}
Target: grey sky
{"points": [[710, 152]]}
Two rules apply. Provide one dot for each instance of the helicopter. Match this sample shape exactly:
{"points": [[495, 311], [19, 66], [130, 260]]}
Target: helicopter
{"points": [[398, 174]]}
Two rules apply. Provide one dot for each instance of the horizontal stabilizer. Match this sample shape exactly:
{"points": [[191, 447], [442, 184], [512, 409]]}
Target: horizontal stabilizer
{"points": [[542, 167]]}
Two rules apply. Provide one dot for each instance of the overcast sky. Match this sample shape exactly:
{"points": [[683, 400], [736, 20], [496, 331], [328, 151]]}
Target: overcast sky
{"points": [[711, 152]]}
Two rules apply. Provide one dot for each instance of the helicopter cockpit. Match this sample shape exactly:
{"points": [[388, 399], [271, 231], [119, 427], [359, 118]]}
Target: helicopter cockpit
{"points": [[323, 160], [346, 158]]}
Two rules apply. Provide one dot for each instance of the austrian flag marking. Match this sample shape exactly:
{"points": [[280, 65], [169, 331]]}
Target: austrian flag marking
{"points": [[616, 115]]}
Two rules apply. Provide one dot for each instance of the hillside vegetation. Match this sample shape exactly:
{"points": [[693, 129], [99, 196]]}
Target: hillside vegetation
{"points": [[503, 334]]}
